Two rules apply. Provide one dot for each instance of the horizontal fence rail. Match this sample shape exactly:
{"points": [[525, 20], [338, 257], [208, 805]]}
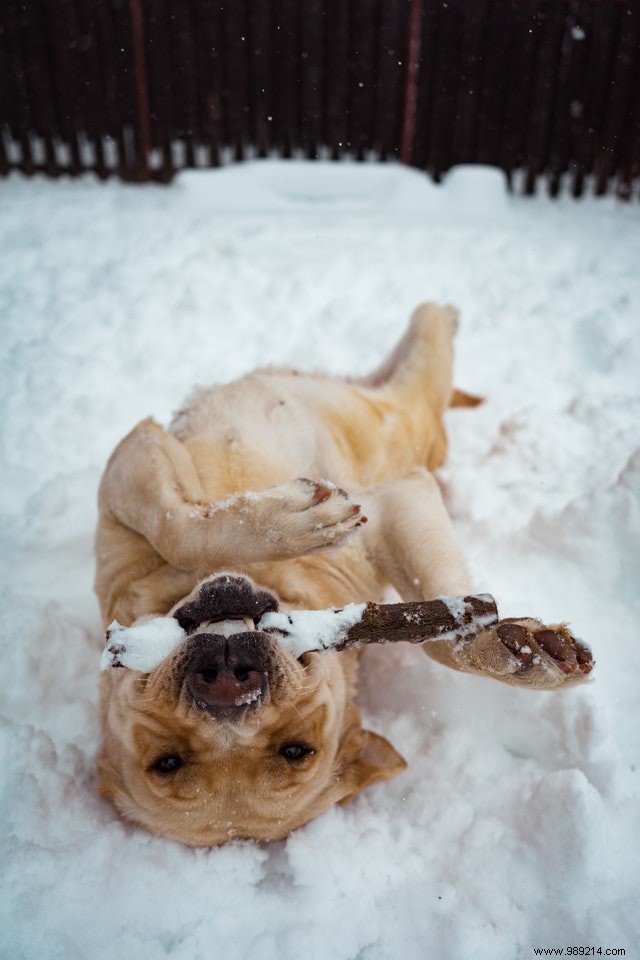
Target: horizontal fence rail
{"points": [[140, 89]]}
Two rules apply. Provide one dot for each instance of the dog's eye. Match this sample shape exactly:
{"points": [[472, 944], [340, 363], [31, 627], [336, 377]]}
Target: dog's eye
{"points": [[168, 763], [295, 751]]}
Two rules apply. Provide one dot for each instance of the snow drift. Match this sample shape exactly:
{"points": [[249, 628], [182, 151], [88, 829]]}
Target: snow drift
{"points": [[517, 824]]}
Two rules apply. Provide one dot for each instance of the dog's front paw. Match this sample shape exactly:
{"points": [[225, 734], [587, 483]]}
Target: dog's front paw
{"points": [[529, 653], [311, 514], [434, 319]]}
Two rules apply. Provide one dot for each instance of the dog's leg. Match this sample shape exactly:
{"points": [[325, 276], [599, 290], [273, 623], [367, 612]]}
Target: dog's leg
{"points": [[411, 542], [424, 353], [151, 487], [410, 539], [417, 378]]}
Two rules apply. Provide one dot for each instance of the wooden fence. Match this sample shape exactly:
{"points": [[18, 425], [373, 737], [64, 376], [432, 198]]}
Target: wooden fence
{"points": [[142, 88]]}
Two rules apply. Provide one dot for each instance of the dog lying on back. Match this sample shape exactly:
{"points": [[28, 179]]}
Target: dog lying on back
{"points": [[305, 492]]}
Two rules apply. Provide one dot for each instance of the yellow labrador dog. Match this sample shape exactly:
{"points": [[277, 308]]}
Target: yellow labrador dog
{"points": [[304, 491]]}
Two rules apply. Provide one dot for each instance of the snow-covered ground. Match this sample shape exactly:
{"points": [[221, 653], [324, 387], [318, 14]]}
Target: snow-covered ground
{"points": [[517, 824]]}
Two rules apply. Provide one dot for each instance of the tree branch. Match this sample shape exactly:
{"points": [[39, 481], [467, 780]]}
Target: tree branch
{"points": [[447, 618]]}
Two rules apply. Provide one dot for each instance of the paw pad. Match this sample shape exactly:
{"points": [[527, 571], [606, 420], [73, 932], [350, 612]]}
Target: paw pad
{"points": [[532, 642], [515, 637]]}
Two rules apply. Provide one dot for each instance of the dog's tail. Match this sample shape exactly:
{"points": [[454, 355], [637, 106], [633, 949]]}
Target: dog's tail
{"points": [[460, 398]]}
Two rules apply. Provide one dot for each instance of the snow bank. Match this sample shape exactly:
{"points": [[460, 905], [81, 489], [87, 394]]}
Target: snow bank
{"points": [[517, 823]]}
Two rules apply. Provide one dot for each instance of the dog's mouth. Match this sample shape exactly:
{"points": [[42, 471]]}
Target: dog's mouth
{"points": [[228, 627]]}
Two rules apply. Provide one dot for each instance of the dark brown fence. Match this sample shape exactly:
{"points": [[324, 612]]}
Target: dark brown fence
{"points": [[141, 88]]}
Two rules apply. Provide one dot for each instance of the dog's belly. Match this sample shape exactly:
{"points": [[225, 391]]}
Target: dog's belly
{"points": [[268, 428], [247, 436]]}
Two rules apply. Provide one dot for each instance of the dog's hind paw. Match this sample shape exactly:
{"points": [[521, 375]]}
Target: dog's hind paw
{"points": [[434, 319]]}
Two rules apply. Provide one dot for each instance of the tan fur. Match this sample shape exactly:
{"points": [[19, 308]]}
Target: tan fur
{"points": [[221, 491]]}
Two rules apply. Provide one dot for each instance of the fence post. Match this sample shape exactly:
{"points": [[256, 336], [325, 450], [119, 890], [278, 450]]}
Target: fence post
{"points": [[414, 34], [143, 144]]}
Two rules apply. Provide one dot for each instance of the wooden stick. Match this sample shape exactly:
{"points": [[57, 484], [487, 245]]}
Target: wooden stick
{"points": [[454, 619], [447, 618]]}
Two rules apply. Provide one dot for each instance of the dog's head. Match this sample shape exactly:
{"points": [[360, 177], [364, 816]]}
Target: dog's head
{"points": [[231, 735]]}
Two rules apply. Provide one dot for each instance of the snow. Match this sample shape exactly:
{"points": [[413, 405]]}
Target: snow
{"points": [[456, 606], [143, 646], [304, 630], [468, 621], [517, 823]]}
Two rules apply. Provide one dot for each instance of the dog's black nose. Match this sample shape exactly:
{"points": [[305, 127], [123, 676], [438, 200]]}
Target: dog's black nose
{"points": [[226, 675]]}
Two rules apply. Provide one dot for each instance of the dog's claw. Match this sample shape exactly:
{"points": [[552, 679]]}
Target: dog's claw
{"points": [[321, 493]]}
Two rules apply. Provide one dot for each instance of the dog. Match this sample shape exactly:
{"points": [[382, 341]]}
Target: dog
{"points": [[299, 491]]}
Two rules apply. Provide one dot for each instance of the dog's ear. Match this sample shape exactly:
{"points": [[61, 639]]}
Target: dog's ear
{"points": [[375, 761]]}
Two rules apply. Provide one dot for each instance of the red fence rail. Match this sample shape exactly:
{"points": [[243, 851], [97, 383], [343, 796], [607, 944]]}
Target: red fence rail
{"points": [[142, 88]]}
